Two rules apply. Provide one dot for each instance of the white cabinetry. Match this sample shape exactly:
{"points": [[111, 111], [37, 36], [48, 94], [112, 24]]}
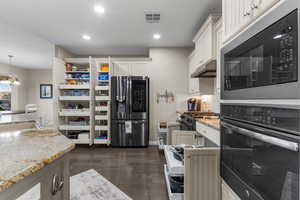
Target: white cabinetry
{"points": [[219, 41], [193, 82], [205, 50], [208, 132], [183, 137], [205, 41], [201, 171], [238, 14]]}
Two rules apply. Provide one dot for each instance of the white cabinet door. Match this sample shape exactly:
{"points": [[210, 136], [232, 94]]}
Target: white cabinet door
{"points": [[260, 6], [207, 44], [210, 133], [219, 41], [233, 17], [238, 14], [198, 59], [193, 82], [183, 137]]}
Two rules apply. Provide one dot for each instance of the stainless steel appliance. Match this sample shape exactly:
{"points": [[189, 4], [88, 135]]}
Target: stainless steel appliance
{"points": [[188, 119], [260, 151], [194, 104], [262, 63], [129, 111]]}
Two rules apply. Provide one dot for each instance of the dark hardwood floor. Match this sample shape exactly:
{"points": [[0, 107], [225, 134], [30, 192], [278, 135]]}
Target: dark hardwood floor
{"points": [[137, 172]]}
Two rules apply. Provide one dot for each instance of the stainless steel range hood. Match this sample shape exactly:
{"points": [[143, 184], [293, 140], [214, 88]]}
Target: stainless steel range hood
{"points": [[206, 70]]}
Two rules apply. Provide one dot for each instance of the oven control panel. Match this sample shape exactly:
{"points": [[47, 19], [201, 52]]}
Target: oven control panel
{"points": [[277, 118]]}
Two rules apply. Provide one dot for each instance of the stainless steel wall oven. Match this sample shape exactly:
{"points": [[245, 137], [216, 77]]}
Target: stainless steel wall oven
{"points": [[260, 151]]}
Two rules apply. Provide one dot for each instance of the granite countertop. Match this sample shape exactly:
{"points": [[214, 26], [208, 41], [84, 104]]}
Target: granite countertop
{"points": [[213, 122], [16, 118], [23, 152], [17, 112]]}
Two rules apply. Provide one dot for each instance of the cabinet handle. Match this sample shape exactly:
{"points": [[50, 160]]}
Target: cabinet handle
{"points": [[254, 6], [61, 185], [246, 14], [54, 184]]}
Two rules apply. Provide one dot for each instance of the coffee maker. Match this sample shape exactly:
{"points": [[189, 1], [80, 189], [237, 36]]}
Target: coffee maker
{"points": [[194, 104]]}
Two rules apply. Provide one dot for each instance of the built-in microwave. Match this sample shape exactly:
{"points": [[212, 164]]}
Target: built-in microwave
{"points": [[263, 62]]}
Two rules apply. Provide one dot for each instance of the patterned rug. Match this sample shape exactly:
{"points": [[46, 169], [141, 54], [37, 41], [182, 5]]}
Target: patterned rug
{"points": [[88, 185]]}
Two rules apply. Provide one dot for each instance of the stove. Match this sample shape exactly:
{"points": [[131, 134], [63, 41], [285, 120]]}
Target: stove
{"points": [[188, 119]]}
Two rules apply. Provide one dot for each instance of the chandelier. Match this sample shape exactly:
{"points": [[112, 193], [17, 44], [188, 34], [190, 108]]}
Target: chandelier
{"points": [[10, 79]]}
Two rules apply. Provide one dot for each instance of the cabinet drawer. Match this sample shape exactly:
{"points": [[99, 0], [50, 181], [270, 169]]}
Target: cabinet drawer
{"points": [[210, 133]]}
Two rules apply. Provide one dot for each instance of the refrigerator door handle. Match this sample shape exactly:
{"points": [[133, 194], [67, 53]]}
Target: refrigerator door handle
{"points": [[121, 89], [118, 90], [139, 122]]}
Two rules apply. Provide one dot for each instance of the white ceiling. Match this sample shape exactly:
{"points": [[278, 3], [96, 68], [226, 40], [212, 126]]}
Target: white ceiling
{"points": [[122, 30], [29, 51]]}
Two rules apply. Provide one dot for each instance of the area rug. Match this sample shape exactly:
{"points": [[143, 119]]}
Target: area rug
{"points": [[88, 185]]}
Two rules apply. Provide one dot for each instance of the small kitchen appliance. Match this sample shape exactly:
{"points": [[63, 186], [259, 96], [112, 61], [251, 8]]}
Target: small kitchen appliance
{"points": [[194, 104], [262, 62]]}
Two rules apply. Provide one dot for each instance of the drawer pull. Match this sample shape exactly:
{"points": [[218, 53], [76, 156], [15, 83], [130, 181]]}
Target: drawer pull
{"points": [[61, 185], [54, 184]]}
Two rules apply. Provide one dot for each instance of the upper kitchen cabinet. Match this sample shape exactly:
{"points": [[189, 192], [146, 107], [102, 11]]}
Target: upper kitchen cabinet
{"points": [[238, 14], [205, 41], [204, 65], [193, 82]]}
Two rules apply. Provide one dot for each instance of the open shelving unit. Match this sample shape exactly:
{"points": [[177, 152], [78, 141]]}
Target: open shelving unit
{"points": [[75, 103], [94, 106], [102, 102]]}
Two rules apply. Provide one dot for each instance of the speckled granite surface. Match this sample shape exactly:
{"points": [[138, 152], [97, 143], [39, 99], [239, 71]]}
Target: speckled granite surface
{"points": [[18, 118], [23, 152]]}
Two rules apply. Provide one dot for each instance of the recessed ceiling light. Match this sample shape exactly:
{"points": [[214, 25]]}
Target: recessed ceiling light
{"points": [[86, 37], [99, 9], [156, 36]]}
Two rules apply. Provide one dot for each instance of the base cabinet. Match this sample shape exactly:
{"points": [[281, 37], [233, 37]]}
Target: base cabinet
{"points": [[201, 171], [202, 166], [183, 137]]}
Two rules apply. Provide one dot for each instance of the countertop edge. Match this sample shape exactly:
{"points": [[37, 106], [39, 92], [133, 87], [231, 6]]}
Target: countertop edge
{"points": [[208, 124], [8, 183], [17, 122]]}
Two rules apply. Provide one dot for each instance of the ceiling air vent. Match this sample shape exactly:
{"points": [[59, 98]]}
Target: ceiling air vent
{"points": [[152, 16]]}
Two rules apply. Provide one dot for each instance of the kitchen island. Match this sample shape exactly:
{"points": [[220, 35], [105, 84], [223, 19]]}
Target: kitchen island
{"points": [[30, 157]]}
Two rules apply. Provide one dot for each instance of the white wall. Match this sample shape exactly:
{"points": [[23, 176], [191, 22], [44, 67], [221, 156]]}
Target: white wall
{"points": [[19, 93], [168, 70], [35, 78], [29, 90]]}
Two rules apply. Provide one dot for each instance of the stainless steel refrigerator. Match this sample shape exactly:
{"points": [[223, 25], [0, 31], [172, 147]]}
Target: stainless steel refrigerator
{"points": [[129, 111]]}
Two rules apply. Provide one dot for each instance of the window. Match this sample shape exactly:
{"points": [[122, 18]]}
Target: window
{"points": [[5, 97]]}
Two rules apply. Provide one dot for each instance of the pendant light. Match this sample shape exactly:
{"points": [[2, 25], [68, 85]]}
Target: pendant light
{"points": [[9, 79]]}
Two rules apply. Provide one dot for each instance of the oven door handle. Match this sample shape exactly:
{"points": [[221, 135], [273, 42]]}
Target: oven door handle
{"points": [[268, 139]]}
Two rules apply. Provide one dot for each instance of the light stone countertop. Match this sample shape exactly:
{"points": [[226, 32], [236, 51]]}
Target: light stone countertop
{"points": [[15, 118], [23, 152], [213, 123]]}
